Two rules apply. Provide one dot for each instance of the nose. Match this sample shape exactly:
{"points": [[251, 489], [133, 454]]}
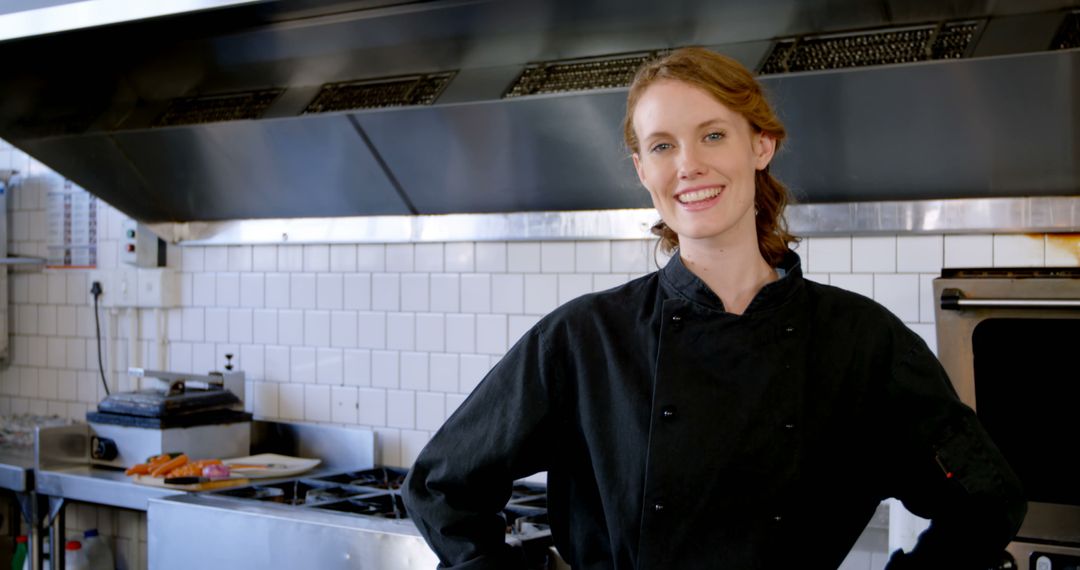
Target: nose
{"points": [[689, 164]]}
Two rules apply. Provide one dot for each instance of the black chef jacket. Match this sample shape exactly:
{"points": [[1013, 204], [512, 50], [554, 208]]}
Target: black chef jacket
{"points": [[677, 435]]}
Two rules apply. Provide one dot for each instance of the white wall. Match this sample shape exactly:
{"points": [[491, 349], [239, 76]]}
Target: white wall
{"points": [[390, 337]]}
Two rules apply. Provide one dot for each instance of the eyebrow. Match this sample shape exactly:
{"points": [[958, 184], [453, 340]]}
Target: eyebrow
{"points": [[703, 124]]}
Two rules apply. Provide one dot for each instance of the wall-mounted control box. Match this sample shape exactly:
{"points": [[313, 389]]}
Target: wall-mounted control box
{"points": [[141, 247]]}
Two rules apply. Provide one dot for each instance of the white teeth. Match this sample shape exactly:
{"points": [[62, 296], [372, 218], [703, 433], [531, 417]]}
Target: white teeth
{"points": [[698, 195]]}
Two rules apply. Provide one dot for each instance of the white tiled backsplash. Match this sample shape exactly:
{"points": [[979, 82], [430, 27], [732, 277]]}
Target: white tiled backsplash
{"points": [[389, 337]]}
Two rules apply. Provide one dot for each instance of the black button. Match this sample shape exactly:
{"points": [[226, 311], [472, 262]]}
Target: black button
{"points": [[676, 322], [667, 412], [789, 425], [789, 329], [777, 518], [658, 507]]}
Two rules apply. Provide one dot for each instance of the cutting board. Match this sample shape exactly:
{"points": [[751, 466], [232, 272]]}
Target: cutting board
{"points": [[205, 486]]}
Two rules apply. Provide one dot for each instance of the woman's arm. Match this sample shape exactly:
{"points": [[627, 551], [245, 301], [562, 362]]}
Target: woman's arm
{"points": [[945, 468], [463, 477]]}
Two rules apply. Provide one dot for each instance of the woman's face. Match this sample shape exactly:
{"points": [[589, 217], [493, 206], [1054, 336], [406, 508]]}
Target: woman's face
{"points": [[697, 159]]}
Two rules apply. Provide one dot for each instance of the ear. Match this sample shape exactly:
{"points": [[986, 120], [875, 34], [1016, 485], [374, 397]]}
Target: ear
{"points": [[764, 148], [638, 168]]}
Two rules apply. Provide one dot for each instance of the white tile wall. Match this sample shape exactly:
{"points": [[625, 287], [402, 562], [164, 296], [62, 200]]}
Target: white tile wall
{"points": [[370, 257], [491, 257], [329, 291], [873, 254], [343, 258], [445, 293], [541, 293], [829, 255], [919, 253], [357, 291], [1019, 251], [460, 257], [556, 257], [475, 293], [523, 257], [507, 293], [969, 251]]}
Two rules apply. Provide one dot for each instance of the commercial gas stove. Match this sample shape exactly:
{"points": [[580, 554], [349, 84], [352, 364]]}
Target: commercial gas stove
{"points": [[350, 519]]}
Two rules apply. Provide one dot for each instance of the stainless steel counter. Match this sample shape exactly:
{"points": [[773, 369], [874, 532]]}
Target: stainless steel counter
{"points": [[16, 469], [98, 486], [236, 536]]}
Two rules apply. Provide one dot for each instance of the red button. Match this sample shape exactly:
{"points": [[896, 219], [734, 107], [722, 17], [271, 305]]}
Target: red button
{"points": [[130, 247]]}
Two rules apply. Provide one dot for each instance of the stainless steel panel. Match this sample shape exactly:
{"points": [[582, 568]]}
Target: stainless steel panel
{"points": [[975, 215], [604, 224], [339, 448], [997, 215], [236, 536], [543, 153], [62, 446], [314, 166], [974, 128]]}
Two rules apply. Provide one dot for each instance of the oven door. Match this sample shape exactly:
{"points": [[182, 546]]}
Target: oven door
{"points": [[1010, 342]]}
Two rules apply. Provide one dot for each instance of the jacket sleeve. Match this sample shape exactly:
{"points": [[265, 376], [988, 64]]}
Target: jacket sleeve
{"points": [[463, 477], [944, 467]]}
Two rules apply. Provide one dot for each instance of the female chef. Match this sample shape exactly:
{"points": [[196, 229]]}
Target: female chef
{"points": [[722, 412]]}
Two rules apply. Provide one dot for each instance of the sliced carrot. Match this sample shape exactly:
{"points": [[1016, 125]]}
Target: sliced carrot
{"points": [[139, 469], [169, 465]]}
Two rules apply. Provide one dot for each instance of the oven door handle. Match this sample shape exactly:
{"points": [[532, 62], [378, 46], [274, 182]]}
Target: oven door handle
{"points": [[954, 300]]}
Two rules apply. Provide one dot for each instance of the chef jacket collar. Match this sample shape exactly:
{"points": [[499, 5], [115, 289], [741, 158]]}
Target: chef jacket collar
{"points": [[687, 285]]}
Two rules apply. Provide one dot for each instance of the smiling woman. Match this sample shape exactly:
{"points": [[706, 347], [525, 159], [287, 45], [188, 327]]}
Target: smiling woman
{"points": [[713, 413], [735, 98]]}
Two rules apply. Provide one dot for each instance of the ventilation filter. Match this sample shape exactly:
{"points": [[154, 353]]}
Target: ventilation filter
{"points": [[578, 74], [217, 108], [863, 49], [378, 93], [1068, 35]]}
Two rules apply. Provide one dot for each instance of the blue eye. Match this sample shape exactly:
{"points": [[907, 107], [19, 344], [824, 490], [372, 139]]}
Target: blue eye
{"points": [[715, 136], [660, 147]]}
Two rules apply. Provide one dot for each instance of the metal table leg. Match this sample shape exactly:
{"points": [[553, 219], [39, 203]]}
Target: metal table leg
{"points": [[55, 522], [32, 508]]}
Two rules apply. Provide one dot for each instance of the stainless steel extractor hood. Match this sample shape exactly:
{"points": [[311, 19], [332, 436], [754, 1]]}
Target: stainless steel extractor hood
{"points": [[270, 110]]}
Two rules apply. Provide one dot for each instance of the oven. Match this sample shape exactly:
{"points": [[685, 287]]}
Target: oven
{"points": [[1010, 342]]}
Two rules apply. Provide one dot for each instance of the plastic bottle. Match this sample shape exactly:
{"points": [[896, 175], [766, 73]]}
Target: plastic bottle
{"points": [[98, 554], [74, 557], [21, 553]]}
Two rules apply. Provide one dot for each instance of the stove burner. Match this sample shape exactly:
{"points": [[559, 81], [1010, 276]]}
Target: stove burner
{"points": [[379, 478], [388, 506], [296, 492]]}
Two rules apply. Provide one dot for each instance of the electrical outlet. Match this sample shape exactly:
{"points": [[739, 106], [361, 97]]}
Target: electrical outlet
{"points": [[126, 282]]}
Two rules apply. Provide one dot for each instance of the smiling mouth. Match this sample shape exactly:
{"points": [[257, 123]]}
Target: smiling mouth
{"points": [[699, 195]]}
